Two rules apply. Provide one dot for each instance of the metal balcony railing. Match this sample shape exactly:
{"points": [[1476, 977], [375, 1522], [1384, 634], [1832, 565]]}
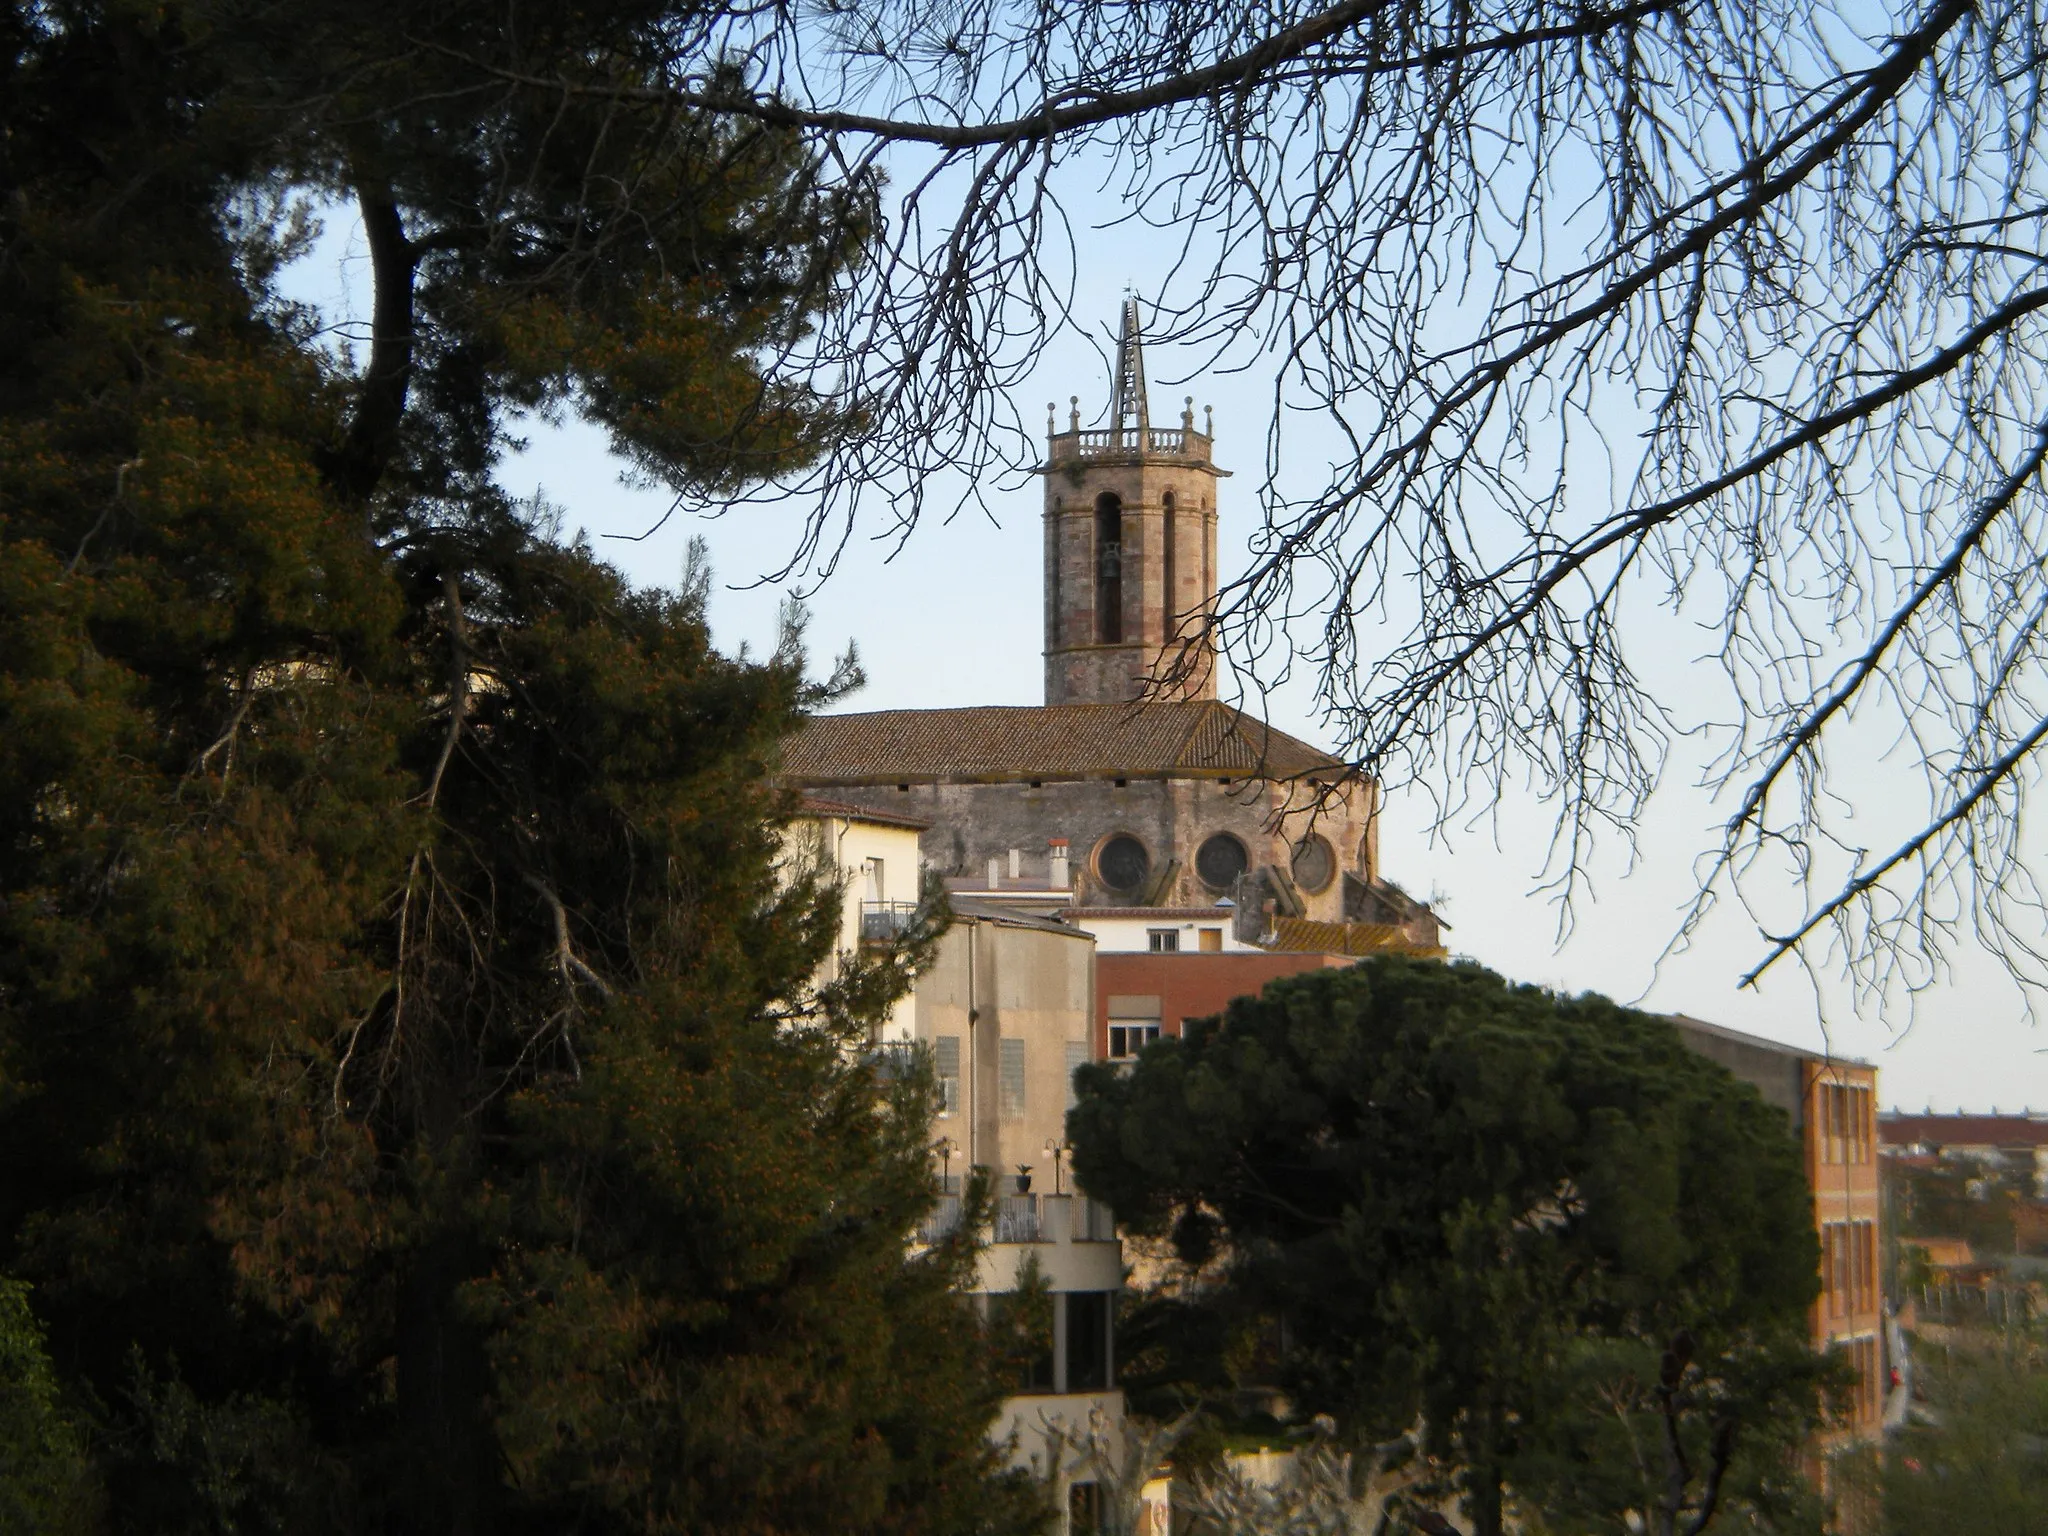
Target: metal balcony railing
{"points": [[943, 1221], [884, 922], [1016, 1219], [1094, 1222]]}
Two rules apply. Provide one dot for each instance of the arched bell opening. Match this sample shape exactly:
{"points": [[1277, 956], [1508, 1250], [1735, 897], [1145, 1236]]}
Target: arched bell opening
{"points": [[1109, 569]]}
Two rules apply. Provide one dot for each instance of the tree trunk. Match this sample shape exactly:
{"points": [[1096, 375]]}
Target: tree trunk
{"points": [[359, 463]]}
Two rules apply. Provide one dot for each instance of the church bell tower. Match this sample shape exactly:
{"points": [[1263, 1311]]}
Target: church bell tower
{"points": [[1130, 549]]}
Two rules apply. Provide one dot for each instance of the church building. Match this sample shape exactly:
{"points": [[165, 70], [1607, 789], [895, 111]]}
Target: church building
{"points": [[1132, 802]]}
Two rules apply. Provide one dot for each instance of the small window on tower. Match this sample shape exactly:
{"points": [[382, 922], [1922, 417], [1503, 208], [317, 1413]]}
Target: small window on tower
{"points": [[1109, 569]]}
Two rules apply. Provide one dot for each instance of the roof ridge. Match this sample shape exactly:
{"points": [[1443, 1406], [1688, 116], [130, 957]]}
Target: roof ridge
{"points": [[1202, 737]]}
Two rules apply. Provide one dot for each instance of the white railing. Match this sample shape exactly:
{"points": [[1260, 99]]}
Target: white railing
{"points": [[943, 1221], [1016, 1219], [1094, 1222], [1107, 441]]}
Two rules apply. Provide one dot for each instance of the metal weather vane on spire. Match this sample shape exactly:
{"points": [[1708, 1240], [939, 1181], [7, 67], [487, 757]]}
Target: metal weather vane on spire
{"points": [[1128, 407]]}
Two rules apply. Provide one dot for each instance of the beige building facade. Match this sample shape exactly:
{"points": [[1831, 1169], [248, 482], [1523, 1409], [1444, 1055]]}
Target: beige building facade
{"points": [[1005, 1014]]}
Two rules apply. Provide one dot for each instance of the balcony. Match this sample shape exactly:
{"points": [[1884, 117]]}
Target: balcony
{"points": [[1052, 1219], [943, 1221], [1026, 1219], [1128, 442], [1016, 1219], [886, 922]]}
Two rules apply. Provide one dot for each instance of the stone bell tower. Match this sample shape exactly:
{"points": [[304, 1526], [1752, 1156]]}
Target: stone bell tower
{"points": [[1130, 549]]}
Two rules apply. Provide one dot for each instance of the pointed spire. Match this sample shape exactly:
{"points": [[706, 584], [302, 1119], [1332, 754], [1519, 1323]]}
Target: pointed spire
{"points": [[1129, 406]]}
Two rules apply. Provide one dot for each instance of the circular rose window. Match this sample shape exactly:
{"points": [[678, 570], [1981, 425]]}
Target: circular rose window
{"points": [[1315, 863], [1220, 860], [1123, 863]]}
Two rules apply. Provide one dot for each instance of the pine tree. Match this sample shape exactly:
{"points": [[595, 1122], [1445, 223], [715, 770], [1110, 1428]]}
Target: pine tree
{"points": [[416, 1111], [1577, 1255]]}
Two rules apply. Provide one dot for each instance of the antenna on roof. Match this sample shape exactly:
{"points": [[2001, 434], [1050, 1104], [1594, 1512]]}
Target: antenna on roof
{"points": [[1129, 406]]}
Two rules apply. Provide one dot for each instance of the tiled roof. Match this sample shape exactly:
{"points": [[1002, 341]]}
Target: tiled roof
{"points": [[1203, 738], [1301, 935], [1962, 1130], [1152, 914], [817, 805], [996, 912]]}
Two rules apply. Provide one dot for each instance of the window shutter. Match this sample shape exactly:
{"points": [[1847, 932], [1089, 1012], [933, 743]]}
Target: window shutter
{"points": [[1011, 1079]]}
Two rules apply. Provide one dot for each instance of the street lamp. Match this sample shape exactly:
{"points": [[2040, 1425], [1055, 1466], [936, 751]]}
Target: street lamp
{"points": [[1058, 1149]]}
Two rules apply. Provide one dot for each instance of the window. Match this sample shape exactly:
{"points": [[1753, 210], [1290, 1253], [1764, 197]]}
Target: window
{"points": [[1109, 569], [1315, 864], [877, 885], [1209, 940], [1123, 863], [1166, 521], [1129, 1037], [1866, 1358], [1847, 1122], [1077, 1058], [1162, 941], [1848, 1267], [1088, 1340], [947, 1052], [1010, 1079], [1087, 1509], [1220, 860]]}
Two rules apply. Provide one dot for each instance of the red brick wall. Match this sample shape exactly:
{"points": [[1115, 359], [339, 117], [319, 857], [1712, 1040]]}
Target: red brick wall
{"points": [[1839, 1133], [1191, 985]]}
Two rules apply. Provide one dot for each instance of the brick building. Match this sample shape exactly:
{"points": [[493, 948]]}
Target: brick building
{"points": [[1994, 1141], [1141, 996], [1832, 1106]]}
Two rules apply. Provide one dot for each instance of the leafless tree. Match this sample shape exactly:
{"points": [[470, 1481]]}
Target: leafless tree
{"points": [[1637, 324]]}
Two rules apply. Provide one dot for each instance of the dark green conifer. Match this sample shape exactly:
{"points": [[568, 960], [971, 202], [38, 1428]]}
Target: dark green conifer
{"points": [[415, 1111], [1537, 1226]]}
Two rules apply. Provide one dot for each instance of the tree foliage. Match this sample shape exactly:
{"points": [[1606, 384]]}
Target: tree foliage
{"points": [[416, 1109], [45, 1473], [1973, 1459], [1580, 1255]]}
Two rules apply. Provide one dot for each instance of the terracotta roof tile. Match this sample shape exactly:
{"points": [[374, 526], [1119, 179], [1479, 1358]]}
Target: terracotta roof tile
{"points": [[1896, 1130], [817, 805], [1301, 935], [1203, 738]]}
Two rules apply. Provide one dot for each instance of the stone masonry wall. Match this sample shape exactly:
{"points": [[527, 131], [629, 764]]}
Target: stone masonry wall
{"points": [[1080, 668], [972, 823]]}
